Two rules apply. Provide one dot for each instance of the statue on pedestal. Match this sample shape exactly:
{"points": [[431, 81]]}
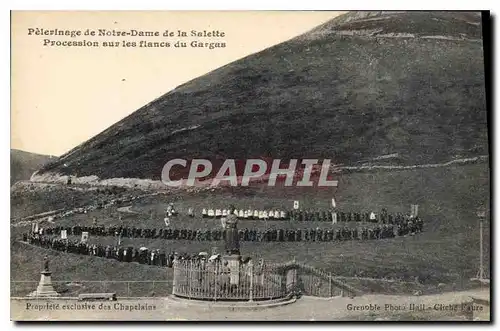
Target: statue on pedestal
{"points": [[45, 288], [231, 237], [46, 264]]}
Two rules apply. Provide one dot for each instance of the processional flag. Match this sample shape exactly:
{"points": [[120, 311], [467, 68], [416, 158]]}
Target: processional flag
{"points": [[414, 210], [85, 237]]}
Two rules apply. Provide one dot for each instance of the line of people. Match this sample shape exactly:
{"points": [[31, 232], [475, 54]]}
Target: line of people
{"points": [[379, 231], [347, 217], [140, 255], [143, 255], [308, 215], [245, 214]]}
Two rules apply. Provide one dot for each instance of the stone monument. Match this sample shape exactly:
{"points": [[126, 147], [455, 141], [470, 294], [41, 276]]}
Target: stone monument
{"points": [[232, 247], [45, 288]]}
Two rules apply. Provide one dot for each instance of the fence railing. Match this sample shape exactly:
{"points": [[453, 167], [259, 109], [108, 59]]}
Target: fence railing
{"points": [[213, 281], [217, 281]]}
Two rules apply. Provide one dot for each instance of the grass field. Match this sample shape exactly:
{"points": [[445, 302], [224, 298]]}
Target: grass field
{"points": [[447, 252]]}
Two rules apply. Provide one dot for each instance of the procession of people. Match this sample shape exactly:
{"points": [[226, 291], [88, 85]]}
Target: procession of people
{"points": [[141, 255], [342, 226], [336, 233]]}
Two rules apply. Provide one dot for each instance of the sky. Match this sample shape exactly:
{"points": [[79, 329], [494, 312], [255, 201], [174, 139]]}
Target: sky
{"points": [[62, 96]]}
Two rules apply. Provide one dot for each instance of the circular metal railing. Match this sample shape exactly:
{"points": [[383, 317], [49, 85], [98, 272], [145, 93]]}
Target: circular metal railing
{"points": [[218, 281]]}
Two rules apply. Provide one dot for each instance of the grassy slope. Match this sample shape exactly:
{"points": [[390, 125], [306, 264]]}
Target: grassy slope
{"points": [[447, 252], [325, 96], [26, 263], [28, 198]]}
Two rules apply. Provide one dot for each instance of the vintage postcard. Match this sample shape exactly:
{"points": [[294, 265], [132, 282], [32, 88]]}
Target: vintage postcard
{"points": [[250, 165]]}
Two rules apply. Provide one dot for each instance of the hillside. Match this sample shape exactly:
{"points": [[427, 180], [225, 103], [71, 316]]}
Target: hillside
{"points": [[363, 85], [24, 164], [446, 252]]}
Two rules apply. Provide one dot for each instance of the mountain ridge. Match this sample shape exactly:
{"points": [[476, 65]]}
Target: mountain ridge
{"points": [[319, 95], [23, 164]]}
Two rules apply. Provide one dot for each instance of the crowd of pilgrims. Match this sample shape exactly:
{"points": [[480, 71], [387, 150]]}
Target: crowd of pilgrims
{"points": [[387, 226], [309, 215], [140, 255], [403, 227]]}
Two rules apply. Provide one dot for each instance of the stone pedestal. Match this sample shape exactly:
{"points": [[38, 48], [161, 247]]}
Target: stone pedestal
{"points": [[233, 263], [45, 288]]}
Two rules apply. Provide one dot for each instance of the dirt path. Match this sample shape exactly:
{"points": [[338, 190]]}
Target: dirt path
{"points": [[60, 213], [127, 210]]}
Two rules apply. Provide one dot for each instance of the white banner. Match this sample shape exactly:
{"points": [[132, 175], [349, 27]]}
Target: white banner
{"points": [[64, 234], [85, 236], [295, 204], [414, 210]]}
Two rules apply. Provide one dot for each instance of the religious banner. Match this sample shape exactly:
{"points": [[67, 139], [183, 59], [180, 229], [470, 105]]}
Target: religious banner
{"points": [[64, 234], [414, 210], [85, 237]]}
